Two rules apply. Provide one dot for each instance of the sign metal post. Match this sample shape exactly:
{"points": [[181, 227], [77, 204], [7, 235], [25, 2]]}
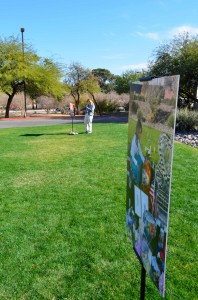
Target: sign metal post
{"points": [[72, 114], [143, 283]]}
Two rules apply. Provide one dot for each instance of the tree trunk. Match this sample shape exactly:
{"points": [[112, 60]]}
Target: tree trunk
{"points": [[77, 104], [97, 106], [7, 112], [77, 101]]}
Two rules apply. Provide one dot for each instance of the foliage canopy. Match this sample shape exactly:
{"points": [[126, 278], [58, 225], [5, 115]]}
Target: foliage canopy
{"points": [[122, 83], [105, 79], [20, 68], [179, 57], [80, 80]]}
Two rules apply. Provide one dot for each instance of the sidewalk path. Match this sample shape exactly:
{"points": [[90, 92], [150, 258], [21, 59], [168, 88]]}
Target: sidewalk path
{"points": [[57, 120]]}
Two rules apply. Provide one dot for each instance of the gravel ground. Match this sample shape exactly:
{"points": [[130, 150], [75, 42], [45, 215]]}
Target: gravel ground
{"points": [[188, 138]]}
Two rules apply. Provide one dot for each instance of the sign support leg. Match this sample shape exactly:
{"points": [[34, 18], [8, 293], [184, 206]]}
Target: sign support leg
{"points": [[72, 118], [72, 123], [143, 283]]}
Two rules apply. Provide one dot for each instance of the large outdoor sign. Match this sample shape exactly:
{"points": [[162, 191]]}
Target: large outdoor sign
{"points": [[152, 110]]}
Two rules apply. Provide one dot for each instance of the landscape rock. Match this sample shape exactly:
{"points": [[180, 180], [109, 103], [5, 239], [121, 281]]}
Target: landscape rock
{"points": [[190, 138]]}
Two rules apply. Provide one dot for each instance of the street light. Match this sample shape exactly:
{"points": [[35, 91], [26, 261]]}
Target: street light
{"points": [[25, 106]]}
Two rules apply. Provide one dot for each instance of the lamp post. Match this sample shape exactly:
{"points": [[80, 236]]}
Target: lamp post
{"points": [[25, 106]]}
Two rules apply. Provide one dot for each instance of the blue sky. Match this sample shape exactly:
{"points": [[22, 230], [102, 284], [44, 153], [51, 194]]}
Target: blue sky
{"points": [[117, 35]]}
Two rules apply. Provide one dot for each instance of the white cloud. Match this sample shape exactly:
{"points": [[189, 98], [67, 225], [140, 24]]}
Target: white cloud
{"points": [[170, 34], [136, 67], [149, 35], [181, 29]]}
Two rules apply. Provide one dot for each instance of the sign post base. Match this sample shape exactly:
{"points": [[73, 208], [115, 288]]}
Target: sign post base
{"points": [[72, 133]]}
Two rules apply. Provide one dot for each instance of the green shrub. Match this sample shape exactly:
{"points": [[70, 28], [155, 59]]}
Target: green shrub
{"points": [[186, 120], [140, 115], [140, 97], [107, 106], [171, 121], [161, 116], [134, 107]]}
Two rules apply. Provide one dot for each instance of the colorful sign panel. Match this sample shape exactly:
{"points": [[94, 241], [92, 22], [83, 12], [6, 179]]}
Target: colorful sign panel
{"points": [[152, 111]]}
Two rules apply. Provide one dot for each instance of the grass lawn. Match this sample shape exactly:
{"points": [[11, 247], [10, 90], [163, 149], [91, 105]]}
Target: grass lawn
{"points": [[62, 221]]}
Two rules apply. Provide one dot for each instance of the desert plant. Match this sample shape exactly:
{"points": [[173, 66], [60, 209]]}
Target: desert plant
{"points": [[186, 120], [112, 101]]}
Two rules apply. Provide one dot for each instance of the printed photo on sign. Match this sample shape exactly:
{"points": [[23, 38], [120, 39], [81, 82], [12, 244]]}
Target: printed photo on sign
{"points": [[152, 110]]}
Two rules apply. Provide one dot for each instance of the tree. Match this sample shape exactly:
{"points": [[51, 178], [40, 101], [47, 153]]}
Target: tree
{"points": [[179, 57], [93, 88], [79, 80], [40, 76], [105, 79], [122, 83]]}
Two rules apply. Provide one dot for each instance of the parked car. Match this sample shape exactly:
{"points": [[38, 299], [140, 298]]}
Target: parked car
{"points": [[59, 110]]}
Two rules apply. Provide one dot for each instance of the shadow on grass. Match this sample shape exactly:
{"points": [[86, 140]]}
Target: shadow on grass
{"points": [[40, 134]]}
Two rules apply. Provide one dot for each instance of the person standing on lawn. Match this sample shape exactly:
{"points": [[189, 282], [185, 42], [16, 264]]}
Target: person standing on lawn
{"points": [[89, 113]]}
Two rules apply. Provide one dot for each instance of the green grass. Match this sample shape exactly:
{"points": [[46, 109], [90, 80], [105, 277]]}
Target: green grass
{"points": [[62, 221]]}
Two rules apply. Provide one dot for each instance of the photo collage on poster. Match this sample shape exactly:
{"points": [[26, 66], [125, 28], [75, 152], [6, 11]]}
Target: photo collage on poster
{"points": [[152, 110]]}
